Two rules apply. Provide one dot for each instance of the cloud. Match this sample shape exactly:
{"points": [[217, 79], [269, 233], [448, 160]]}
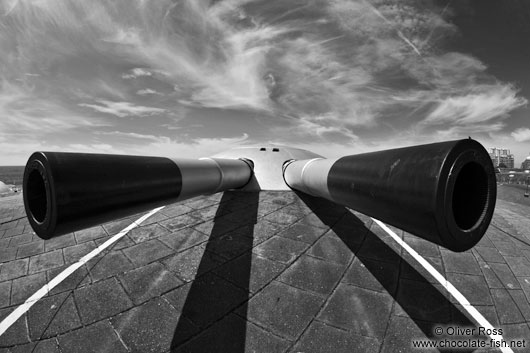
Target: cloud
{"points": [[131, 135], [521, 134], [137, 72], [147, 91], [122, 109], [339, 70], [481, 104]]}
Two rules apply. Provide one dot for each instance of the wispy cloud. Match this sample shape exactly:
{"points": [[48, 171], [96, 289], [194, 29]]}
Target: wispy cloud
{"points": [[147, 91], [122, 109], [521, 134], [325, 71]]}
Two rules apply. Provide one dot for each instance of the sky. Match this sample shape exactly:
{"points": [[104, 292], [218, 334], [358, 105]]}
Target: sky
{"points": [[191, 78]]}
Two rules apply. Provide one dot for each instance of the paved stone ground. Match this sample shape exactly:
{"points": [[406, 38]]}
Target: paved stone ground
{"points": [[256, 272]]}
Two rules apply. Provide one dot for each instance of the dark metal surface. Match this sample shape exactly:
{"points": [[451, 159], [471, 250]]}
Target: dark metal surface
{"points": [[64, 192], [443, 192]]}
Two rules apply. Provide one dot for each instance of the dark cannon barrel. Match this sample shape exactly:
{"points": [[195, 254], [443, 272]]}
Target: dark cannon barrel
{"points": [[64, 192], [442, 192]]}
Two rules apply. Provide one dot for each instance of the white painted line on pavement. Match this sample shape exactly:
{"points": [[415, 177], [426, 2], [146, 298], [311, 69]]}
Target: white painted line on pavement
{"points": [[481, 320], [22, 309]]}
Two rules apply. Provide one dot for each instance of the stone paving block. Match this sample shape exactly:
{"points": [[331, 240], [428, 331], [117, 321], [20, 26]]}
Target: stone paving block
{"points": [[24, 287], [489, 254], [284, 218], [374, 275], [301, 232], [46, 261], [364, 312], [230, 245], [175, 209], [313, 274], [517, 332], [118, 225], [179, 222], [183, 239], [525, 286], [507, 248], [401, 332], [485, 242], [44, 346], [331, 248], [488, 311], [146, 232], [5, 293], [266, 208], [519, 265], [375, 249], [463, 262], [208, 299], [505, 275], [149, 327], [492, 279], [264, 230], [315, 221], [522, 303], [250, 271], [155, 218], [186, 264], [473, 288], [147, 252], [282, 309], [108, 265], [506, 308], [30, 249], [200, 202], [411, 269], [20, 239], [59, 242], [422, 301], [88, 234], [321, 338], [14, 231], [52, 316], [79, 278], [233, 334], [147, 282], [13, 269], [296, 209], [16, 333], [4, 243], [101, 300], [122, 243], [208, 213], [422, 246], [101, 336], [220, 228], [281, 249], [76, 252], [8, 254]]}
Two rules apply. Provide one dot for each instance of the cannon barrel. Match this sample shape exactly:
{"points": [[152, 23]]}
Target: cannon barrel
{"points": [[64, 192], [442, 192]]}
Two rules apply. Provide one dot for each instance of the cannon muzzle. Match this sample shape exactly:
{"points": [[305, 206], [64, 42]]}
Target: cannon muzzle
{"points": [[64, 192], [442, 192]]}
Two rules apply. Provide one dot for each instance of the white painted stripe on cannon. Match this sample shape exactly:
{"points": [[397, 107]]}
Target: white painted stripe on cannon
{"points": [[22, 309], [478, 317]]}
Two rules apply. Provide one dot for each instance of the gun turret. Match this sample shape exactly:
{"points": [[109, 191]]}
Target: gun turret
{"points": [[442, 192]]}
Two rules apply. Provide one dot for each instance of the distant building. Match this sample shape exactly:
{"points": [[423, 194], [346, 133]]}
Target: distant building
{"points": [[501, 158], [526, 163]]}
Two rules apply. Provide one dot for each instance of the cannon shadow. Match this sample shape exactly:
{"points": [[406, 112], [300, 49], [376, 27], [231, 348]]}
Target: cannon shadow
{"points": [[206, 323], [430, 295]]}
